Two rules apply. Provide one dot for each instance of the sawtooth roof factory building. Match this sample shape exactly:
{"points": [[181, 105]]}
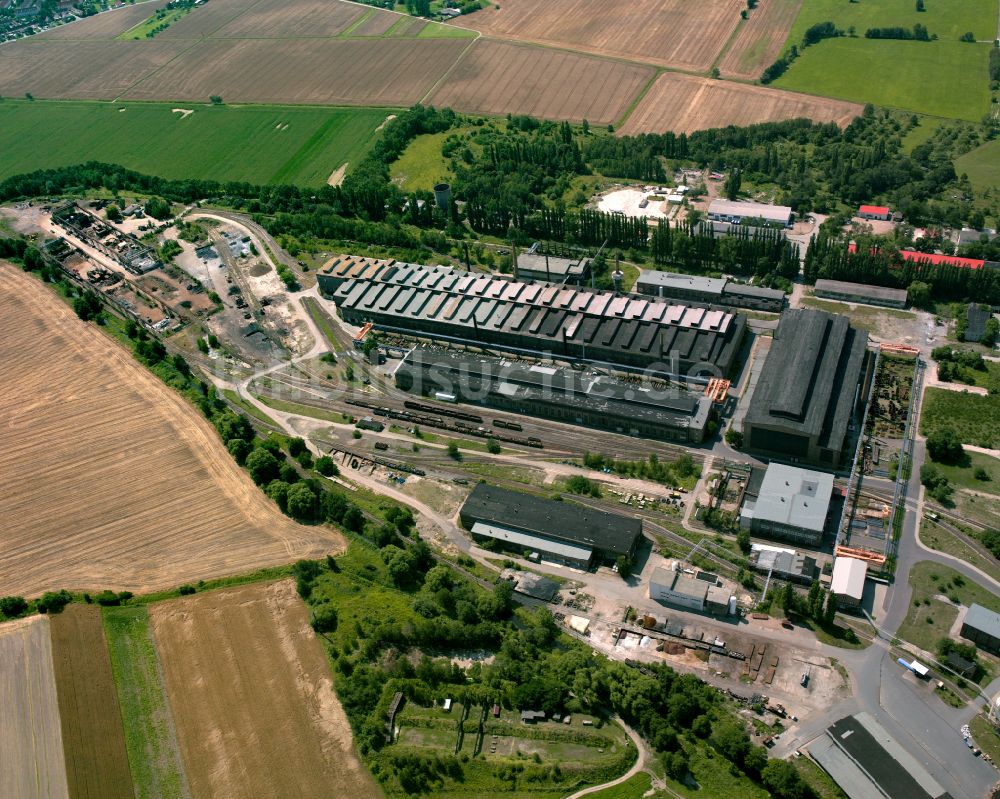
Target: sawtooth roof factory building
{"points": [[811, 388], [711, 290], [561, 532], [578, 324], [557, 393]]}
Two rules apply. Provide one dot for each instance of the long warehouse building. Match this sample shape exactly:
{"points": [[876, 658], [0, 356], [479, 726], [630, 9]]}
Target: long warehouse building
{"points": [[565, 395], [811, 390], [440, 303]]}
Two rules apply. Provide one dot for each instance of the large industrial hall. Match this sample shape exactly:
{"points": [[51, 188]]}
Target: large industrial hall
{"points": [[567, 323]]}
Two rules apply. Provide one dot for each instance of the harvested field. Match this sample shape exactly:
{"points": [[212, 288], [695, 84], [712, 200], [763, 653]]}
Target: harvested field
{"points": [[112, 479], [96, 761], [277, 19], [683, 103], [206, 20], [499, 77], [79, 70], [31, 749], [246, 676], [759, 40], [325, 71], [376, 23], [670, 33], [106, 25]]}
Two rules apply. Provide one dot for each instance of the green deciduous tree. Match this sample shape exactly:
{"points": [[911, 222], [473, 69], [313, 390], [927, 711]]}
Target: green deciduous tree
{"points": [[262, 465]]}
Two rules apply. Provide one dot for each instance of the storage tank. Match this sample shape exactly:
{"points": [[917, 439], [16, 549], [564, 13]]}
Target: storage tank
{"points": [[442, 195]]}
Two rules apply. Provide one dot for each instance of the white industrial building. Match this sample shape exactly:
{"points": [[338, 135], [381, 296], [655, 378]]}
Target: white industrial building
{"points": [[848, 581], [678, 588], [791, 504], [736, 212]]}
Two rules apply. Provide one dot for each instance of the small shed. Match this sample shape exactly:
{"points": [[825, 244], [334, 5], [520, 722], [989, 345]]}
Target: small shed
{"points": [[532, 716]]}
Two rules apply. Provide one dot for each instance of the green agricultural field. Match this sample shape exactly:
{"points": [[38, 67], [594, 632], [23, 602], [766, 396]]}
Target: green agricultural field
{"points": [[258, 144], [153, 752], [974, 417], [944, 78], [982, 165], [948, 20]]}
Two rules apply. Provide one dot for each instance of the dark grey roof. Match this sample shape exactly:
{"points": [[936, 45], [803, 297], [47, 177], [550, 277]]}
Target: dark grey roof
{"points": [[851, 735], [977, 317], [860, 290], [566, 521], [468, 375], [760, 292], [808, 382], [983, 619]]}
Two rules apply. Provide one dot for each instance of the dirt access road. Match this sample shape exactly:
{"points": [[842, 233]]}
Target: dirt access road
{"points": [[253, 699]]}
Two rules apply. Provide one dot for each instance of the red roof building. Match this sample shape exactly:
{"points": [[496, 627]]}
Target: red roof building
{"points": [[875, 212], [947, 260]]}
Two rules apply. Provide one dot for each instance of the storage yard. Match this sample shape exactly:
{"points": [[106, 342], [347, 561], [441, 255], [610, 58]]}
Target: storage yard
{"points": [[78, 517], [250, 649]]}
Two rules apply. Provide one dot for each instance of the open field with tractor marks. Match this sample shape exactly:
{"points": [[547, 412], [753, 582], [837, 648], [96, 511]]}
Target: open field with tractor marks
{"points": [[258, 144], [80, 70], [303, 19], [684, 103], [668, 33], [387, 71], [759, 40], [31, 747], [252, 697], [114, 480], [106, 25], [96, 760], [496, 77]]}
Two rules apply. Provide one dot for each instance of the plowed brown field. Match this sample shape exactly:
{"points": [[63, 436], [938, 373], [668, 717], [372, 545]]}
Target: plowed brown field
{"points": [[284, 19], [683, 103], [106, 25], [89, 69], [206, 20], [497, 77], [92, 732], [377, 23], [327, 71], [671, 33], [110, 478], [31, 750], [760, 38], [252, 697]]}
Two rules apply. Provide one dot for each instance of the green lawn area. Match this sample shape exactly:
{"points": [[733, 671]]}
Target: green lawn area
{"points": [[421, 165], [948, 20], [937, 537], [983, 378], [986, 736], [633, 788], [943, 78], [436, 31], [302, 410], [715, 776], [145, 27], [984, 510], [866, 317], [247, 408], [922, 132], [982, 165], [963, 475], [323, 321], [153, 754], [926, 624], [259, 144], [975, 418]]}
